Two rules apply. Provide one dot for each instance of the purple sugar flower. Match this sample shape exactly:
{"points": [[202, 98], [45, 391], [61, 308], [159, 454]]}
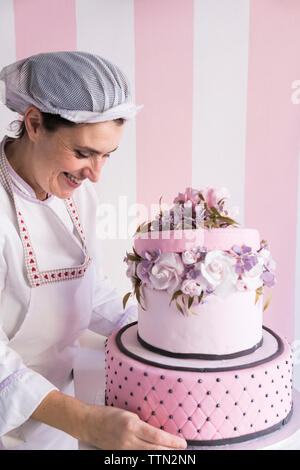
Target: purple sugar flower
{"points": [[250, 262], [147, 265], [246, 249], [193, 274], [268, 278], [156, 255]]}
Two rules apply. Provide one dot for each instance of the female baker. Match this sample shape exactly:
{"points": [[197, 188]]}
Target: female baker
{"points": [[52, 288]]}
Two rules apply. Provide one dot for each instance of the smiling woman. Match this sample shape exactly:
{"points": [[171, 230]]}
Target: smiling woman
{"points": [[58, 155], [52, 287]]}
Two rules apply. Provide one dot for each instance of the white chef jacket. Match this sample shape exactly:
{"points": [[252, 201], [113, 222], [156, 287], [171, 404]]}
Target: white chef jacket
{"points": [[21, 388]]}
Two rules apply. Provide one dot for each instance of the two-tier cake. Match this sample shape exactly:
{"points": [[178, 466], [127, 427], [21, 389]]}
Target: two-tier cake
{"points": [[199, 363]]}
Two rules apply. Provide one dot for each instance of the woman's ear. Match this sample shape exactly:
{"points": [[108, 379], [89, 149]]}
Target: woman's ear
{"points": [[33, 121]]}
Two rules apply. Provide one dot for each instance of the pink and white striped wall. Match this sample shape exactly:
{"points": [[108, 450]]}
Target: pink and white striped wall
{"points": [[215, 78]]}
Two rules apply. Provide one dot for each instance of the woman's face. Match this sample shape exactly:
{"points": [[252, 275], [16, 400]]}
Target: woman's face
{"points": [[59, 161]]}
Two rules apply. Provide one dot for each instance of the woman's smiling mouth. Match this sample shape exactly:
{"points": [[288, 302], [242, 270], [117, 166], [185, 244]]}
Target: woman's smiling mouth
{"points": [[72, 180]]}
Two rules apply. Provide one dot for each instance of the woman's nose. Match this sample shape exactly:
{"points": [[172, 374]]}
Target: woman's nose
{"points": [[93, 170]]}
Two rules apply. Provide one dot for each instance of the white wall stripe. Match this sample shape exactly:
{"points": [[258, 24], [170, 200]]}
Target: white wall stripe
{"points": [[107, 29], [297, 294], [7, 56], [221, 32]]}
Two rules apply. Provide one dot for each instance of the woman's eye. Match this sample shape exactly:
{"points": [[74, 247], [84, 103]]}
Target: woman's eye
{"points": [[81, 155]]}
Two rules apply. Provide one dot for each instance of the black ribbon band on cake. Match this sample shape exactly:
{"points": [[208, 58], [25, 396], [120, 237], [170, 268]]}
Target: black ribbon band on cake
{"points": [[209, 357], [124, 349]]}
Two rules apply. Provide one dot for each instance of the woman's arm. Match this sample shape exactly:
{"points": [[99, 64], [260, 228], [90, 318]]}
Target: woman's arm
{"points": [[104, 427]]}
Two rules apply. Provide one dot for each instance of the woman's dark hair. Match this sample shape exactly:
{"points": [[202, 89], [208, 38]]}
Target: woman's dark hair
{"points": [[52, 122]]}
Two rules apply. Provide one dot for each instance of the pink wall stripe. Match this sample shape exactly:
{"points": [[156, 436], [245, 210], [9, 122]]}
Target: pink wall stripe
{"points": [[272, 145], [164, 84], [44, 26]]}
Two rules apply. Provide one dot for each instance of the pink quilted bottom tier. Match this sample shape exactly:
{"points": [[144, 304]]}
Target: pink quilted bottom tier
{"points": [[205, 402]]}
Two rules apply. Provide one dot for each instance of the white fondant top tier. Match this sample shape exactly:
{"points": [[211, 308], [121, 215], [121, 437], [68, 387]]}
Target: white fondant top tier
{"points": [[178, 241]]}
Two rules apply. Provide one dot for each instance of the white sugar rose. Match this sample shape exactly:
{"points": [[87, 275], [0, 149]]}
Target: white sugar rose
{"points": [[189, 257], [191, 287], [265, 254], [218, 270], [166, 273], [252, 279]]}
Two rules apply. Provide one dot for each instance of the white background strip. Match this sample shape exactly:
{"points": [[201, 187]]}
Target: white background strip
{"points": [[221, 32], [107, 29], [7, 55]]}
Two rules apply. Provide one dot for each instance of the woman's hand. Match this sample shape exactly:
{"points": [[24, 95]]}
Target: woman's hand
{"points": [[104, 427], [112, 428]]}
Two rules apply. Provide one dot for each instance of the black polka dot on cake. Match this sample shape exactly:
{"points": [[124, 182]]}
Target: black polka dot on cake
{"points": [[266, 372], [120, 364], [139, 384], [153, 388], [170, 390], [189, 393], [218, 380], [179, 404], [218, 405], [131, 369], [162, 377], [236, 376], [236, 403], [179, 380], [125, 378], [208, 392], [266, 395], [116, 397], [245, 388], [179, 430], [226, 417], [161, 402], [208, 418], [162, 427], [235, 428], [189, 418], [252, 376], [171, 416], [116, 372], [199, 405], [199, 381], [111, 381], [131, 394], [126, 403], [153, 413], [120, 386], [244, 414], [259, 386], [139, 408], [145, 374], [227, 391], [145, 398]]}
